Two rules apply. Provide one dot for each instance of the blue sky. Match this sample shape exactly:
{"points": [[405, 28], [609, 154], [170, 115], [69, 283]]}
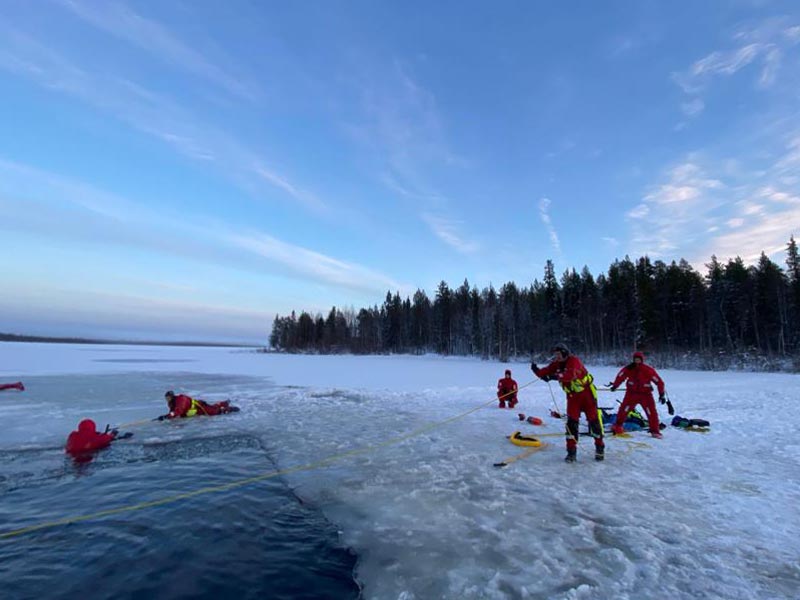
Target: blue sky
{"points": [[186, 170]]}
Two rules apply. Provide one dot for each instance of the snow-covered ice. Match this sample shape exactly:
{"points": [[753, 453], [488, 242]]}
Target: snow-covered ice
{"points": [[688, 516]]}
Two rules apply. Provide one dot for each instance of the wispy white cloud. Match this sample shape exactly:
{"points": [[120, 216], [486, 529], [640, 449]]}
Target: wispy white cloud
{"points": [[611, 241], [303, 196], [792, 34], [28, 183], [790, 161], [772, 62], [769, 234], [750, 208], [158, 115], [314, 265], [732, 212], [401, 124], [448, 231], [36, 202], [686, 183], [675, 212], [400, 119], [544, 215], [124, 23], [693, 107], [639, 211], [622, 45], [726, 63], [763, 46], [775, 195]]}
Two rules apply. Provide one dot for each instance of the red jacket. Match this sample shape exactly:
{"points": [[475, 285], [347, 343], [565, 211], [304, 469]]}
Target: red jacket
{"points": [[506, 385], [570, 373], [86, 439], [182, 406], [640, 380], [185, 406]]}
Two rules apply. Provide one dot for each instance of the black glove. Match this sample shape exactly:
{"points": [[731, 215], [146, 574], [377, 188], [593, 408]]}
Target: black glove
{"points": [[662, 399], [534, 368], [125, 435], [670, 408]]}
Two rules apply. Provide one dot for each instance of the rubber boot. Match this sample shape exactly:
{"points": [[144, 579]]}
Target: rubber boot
{"points": [[502, 404], [599, 453], [571, 455]]}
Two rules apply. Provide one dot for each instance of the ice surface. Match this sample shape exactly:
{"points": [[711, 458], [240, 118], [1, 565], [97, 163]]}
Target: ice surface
{"points": [[689, 516]]}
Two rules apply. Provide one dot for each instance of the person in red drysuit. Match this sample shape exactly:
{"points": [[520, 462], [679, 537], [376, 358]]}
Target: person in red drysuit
{"points": [[581, 393], [181, 406], [639, 390], [507, 391], [84, 441], [12, 386]]}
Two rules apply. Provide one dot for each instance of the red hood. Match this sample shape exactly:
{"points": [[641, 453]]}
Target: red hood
{"points": [[87, 426]]}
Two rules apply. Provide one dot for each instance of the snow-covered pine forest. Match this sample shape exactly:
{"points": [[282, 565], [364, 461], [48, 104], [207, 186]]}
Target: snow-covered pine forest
{"points": [[733, 315]]}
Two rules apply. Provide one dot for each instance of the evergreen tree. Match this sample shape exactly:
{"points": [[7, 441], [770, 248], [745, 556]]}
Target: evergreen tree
{"points": [[793, 274], [421, 322], [658, 306], [590, 316], [770, 306], [442, 313], [620, 297]]}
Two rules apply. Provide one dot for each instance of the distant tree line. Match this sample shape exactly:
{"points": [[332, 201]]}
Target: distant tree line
{"points": [[651, 305], [12, 337]]}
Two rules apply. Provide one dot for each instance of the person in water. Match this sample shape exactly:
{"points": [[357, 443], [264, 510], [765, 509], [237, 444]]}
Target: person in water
{"points": [[181, 406], [12, 386], [86, 439]]}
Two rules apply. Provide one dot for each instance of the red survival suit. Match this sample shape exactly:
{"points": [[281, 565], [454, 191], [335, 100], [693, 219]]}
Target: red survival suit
{"points": [[87, 439], [12, 386], [639, 390], [507, 391], [185, 406], [578, 384]]}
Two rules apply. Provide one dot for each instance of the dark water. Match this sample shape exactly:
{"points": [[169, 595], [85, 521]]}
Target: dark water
{"points": [[255, 541]]}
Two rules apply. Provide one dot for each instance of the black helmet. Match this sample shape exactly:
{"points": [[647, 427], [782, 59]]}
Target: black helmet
{"points": [[562, 348], [169, 394]]}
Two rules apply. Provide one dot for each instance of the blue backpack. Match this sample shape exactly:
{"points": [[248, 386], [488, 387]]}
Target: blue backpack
{"points": [[684, 423]]}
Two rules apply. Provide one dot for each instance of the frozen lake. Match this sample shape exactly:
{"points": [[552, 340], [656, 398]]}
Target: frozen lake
{"points": [[396, 459]]}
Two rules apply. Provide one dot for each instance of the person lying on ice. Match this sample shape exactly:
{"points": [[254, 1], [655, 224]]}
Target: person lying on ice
{"points": [[507, 391], [182, 405], [86, 439], [634, 421], [639, 390], [578, 385]]}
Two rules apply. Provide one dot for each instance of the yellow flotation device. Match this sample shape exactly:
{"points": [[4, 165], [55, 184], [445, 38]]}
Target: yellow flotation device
{"points": [[519, 439]]}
